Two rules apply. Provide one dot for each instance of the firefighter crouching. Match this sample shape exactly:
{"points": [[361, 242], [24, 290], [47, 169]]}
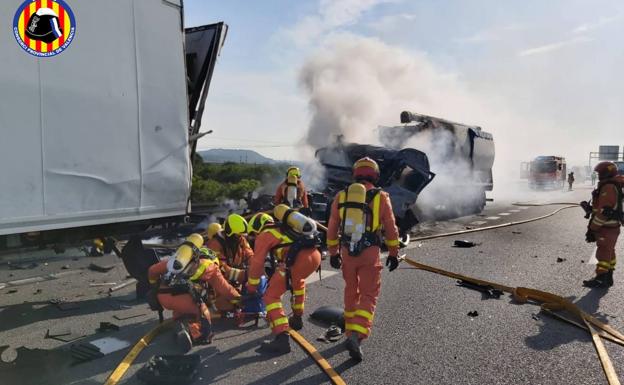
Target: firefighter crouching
{"points": [[181, 284], [358, 215], [233, 251], [294, 243], [604, 223], [291, 191]]}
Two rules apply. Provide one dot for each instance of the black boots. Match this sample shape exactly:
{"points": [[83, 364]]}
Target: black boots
{"points": [[603, 280], [183, 337], [280, 345], [352, 344], [295, 322]]}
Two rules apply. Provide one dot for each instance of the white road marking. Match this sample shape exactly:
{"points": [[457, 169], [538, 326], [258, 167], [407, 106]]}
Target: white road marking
{"points": [[477, 223], [504, 214], [514, 211], [492, 218]]}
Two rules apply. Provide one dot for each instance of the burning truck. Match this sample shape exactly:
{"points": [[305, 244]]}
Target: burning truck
{"points": [[462, 156]]}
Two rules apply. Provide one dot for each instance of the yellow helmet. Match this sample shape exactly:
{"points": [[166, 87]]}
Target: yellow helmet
{"points": [[235, 225], [259, 221], [366, 168], [212, 230], [293, 171]]}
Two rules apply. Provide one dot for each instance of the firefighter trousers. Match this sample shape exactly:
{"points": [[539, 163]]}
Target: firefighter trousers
{"points": [[362, 276], [606, 238], [306, 263]]}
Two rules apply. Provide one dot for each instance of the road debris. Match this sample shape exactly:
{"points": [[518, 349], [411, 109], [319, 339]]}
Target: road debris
{"points": [[100, 268], [464, 244], [22, 266], [102, 284], [332, 334], [126, 316], [170, 369], [63, 305], [64, 331], [473, 313], [122, 285], [65, 267], [97, 348], [488, 291], [107, 326], [559, 259], [38, 291], [535, 317], [12, 291], [329, 315]]}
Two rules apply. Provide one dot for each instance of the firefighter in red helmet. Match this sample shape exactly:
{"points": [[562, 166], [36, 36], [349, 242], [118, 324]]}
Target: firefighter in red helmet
{"points": [[359, 214], [604, 223]]}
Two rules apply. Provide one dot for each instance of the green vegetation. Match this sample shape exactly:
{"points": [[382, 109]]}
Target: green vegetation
{"points": [[215, 182]]}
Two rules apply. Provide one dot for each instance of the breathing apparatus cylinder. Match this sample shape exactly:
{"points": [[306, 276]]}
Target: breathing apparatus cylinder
{"points": [[354, 216], [291, 189], [295, 220], [184, 254]]}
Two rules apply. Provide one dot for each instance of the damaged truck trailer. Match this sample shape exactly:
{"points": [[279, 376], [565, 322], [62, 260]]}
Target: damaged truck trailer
{"points": [[98, 139]]}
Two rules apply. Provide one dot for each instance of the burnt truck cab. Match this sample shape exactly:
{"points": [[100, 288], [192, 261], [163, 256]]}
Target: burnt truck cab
{"points": [[404, 174]]}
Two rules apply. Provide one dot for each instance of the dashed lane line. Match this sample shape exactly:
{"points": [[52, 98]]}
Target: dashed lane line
{"points": [[477, 223], [504, 214], [492, 218]]}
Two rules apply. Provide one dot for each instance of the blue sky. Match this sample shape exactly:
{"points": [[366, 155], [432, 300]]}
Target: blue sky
{"points": [[545, 70]]}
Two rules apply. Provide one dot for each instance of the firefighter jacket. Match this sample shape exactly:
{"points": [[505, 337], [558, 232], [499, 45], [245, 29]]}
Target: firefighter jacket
{"points": [[606, 195], [280, 194], [233, 256]]}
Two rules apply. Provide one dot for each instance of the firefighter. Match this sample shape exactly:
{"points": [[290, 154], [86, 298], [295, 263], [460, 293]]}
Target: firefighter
{"points": [[604, 223], [570, 180], [180, 284], [256, 224], [232, 248], [212, 230], [358, 215], [291, 191], [294, 244]]}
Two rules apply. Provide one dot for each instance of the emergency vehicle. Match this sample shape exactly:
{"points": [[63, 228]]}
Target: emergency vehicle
{"points": [[547, 172]]}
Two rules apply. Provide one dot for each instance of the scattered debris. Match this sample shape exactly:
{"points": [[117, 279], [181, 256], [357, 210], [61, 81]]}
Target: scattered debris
{"points": [[473, 313], [535, 256], [487, 290], [102, 284], [464, 244], [63, 305], [559, 259], [582, 261], [106, 326], [12, 291], [332, 334], [122, 285], [100, 269], [516, 232], [85, 352], [170, 369], [535, 317], [126, 316], [64, 331], [65, 267], [97, 348], [22, 266], [2, 285], [329, 315], [38, 291]]}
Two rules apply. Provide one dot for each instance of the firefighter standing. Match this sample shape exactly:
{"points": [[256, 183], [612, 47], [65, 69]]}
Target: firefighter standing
{"points": [[358, 215], [570, 180], [178, 285], [604, 223], [294, 245], [291, 191]]}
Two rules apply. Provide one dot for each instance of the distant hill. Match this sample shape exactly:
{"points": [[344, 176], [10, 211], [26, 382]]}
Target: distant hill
{"points": [[220, 155]]}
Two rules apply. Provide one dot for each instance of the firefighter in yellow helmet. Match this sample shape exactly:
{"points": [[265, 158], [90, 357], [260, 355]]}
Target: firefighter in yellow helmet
{"points": [[212, 230], [233, 250], [359, 214], [256, 224], [180, 284], [291, 191]]}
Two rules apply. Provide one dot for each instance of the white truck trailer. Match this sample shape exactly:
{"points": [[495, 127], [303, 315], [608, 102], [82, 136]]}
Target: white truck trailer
{"points": [[97, 139]]}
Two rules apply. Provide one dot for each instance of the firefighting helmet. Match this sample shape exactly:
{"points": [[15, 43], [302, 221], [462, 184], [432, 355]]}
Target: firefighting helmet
{"points": [[606, 170], [366, 169], [259, 221], [185, 253], [212, 230], [292, 170], [43, 26], [235, 225]]}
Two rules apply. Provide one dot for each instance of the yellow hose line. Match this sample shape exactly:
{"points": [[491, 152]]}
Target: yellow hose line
{"points": [[124, 365], [493, 226], [601, 333], [551, 302], [334, 377]]}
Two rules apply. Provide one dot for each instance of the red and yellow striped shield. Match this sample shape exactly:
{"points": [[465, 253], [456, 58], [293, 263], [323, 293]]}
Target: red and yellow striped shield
{"points": [[44, 28]]}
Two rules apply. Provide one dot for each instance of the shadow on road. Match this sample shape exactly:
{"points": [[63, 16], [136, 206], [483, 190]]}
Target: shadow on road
{"points": [[554, 332]]}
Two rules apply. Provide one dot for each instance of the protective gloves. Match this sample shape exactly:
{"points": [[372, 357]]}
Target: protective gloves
{"points": [[392, 262], [590, 237], [335, 261]]}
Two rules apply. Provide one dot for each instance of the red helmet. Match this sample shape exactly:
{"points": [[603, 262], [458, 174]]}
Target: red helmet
{"points": [[606, 170], [366, 168]]}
